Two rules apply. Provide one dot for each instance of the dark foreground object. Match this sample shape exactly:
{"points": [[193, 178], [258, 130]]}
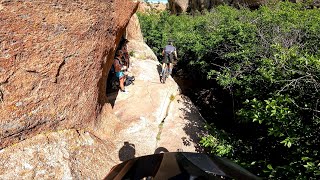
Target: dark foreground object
{"points": [[178, 165]]}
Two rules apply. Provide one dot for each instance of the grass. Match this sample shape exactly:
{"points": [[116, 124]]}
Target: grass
{"points": [[160, 130]]}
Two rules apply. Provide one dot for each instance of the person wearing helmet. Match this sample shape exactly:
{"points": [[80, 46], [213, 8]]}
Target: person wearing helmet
{"points": [[169, 53]]}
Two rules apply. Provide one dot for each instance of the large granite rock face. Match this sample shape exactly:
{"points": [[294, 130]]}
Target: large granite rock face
{"points": [[54, 61], [151, 117]]}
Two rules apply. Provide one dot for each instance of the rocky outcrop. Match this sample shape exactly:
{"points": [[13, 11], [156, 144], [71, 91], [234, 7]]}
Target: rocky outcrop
{"points": [[56, 121], [155, 115], [136, 44], [80, 136], [133, 29], [145, 7], [67, 154], [54, 60], [179, 6]]}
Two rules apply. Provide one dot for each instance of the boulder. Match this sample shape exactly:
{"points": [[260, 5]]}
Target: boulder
{"points": [[136, 45], [54, 61], [141, 50], [133, 29], [178, 6]]}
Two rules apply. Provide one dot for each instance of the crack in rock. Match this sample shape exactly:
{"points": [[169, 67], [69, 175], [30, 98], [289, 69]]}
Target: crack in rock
{"points": [[1, 96], [63, 62]]}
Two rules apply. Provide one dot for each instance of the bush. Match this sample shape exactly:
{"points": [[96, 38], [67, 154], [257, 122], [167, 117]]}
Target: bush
{"points": [[268, 61]]}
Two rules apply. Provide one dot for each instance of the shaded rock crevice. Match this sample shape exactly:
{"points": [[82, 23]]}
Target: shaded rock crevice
{"points": [[63, 62]]}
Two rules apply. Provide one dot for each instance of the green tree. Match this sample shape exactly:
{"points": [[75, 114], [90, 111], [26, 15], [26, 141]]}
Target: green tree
{"points": [[268, 63]]}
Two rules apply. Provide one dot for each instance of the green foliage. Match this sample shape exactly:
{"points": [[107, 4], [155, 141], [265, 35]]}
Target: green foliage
{"points": [[268, 60], [172, 97], [131, 53], [217, 142]]}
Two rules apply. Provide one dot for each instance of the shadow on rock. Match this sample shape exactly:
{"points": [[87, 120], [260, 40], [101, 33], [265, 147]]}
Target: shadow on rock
{"points": [[127, 151], [159, 68], [112, 96], [194, 127], [112, 88]]}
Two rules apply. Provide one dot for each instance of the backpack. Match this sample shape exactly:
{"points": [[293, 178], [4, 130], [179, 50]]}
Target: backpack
{"points": [[129, 80]]}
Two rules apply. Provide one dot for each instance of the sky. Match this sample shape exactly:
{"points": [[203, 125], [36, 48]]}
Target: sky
{"points": [[155, 1]]}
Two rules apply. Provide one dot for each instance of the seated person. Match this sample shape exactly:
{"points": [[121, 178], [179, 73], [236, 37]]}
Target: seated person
{"points": [[119, 68], [125, 57]]}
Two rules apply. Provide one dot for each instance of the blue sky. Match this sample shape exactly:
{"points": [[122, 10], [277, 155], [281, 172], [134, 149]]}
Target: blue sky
{"points": [[163, 1]]}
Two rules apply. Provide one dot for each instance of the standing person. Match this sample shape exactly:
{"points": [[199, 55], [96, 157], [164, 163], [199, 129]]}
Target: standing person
{"points": [[119, 68], [169, 53]]}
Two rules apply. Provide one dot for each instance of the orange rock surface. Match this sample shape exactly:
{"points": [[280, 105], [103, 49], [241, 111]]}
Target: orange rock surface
{"points": [[54, 61]]}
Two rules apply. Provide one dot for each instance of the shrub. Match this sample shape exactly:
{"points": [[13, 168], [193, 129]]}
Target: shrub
{"points": [[268, 60]]}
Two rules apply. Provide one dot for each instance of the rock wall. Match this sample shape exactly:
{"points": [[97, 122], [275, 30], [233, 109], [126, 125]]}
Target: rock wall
{"points": [[54, 61]]}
